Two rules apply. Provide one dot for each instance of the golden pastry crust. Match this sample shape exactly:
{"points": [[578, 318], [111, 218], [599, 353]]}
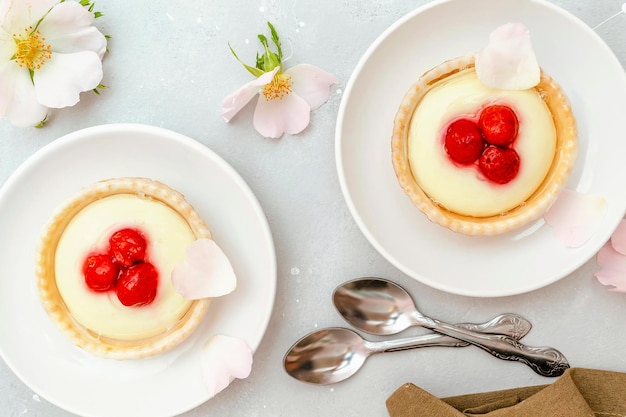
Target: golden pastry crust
{"points": [[51, 298], [527, 211]]}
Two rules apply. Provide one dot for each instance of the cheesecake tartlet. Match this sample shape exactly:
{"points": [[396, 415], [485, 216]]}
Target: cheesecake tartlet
{"points": [[481, 160], [104, 266]]}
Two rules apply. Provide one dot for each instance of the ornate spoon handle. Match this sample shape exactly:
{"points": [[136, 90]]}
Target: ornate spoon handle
{"points": [[508, 324], [545, 361]]}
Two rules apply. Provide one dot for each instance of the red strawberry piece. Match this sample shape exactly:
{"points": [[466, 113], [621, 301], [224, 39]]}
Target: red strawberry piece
{"points": [[463, 141], [100, 272], [127, 246], [499, 165], [137, 285], [499, 125]]}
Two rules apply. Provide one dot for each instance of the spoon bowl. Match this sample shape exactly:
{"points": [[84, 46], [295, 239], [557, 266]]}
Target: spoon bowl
{"points": [[374, 306], [326, 356]]}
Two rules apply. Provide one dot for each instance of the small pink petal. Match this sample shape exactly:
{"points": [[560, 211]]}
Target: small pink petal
{"points": [[239, 98], [612, 268], [206, 272], [288, 114], [311, 83], [224, 358], [609, 258], [575, 217], [508, 61], [618, 240]]}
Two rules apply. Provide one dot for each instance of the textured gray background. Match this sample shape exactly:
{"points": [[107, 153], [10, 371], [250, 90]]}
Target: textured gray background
{"points": [[169, 66]]}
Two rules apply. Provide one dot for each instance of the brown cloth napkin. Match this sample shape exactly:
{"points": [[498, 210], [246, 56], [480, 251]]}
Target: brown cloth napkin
{"points": [[579, 392]]}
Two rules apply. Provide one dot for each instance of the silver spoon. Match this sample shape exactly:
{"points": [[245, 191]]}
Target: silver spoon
{"points": [[374, 304], [330, 355]]}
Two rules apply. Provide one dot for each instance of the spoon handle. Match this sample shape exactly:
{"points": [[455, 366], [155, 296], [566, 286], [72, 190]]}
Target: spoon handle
{"points": [[508, 324], [426, 340], [545, 361]]}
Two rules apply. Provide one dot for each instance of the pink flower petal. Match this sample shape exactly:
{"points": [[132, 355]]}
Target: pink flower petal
{"points": [[289, 114], [575, 217], [508, 61], [618, 240], [239, 98], [311, 83], [224, 358], [612, 268], [205, 273]]}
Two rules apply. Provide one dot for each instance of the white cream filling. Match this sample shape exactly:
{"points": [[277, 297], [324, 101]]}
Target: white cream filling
{"points": [[168, 235], [463, 189]]}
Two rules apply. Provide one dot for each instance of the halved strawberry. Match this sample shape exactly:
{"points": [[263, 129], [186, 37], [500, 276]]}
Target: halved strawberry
{"points": [[100, 272], [463, 141], [127, 246], [499, 165], [499, 125], [137, 285]]}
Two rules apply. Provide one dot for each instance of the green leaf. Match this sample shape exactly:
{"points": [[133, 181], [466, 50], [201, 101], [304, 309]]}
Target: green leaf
{"points": [[268, 60], [43, 122], [98, 88], [254, 71], [276, 41]]}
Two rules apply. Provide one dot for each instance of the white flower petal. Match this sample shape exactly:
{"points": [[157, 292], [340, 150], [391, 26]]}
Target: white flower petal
{"points": [[68, 29], [4, 9], [20, 14], [18, 101], [7, 50], [508, 61], [575, 217], [289, 114], [311, 83], [61, 79], [7, 46], [206, 272], [6, 86], [224, 358], [239, 98]]}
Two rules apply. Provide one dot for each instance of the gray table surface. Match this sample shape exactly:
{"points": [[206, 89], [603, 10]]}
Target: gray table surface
{"points": [[318, 244]]}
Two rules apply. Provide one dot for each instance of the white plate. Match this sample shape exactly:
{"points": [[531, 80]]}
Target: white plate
{"points": [[166, 385], [497, 266]]}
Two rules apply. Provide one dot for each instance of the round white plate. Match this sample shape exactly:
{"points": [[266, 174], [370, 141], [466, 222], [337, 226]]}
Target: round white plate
{"points": [[171, 383], [514, 263]]}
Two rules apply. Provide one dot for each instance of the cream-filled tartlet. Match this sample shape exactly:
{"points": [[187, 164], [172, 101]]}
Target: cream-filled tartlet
{"points": [[166, 234], [455, 185], [105, 267], [479, 159]]}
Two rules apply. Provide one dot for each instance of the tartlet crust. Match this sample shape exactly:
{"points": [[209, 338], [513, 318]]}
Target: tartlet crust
{"points": [[529, 210], [52, 301]]}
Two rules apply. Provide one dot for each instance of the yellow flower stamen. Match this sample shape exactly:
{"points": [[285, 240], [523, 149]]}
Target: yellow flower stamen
{"points": [[32, 51], [279, 87]]}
